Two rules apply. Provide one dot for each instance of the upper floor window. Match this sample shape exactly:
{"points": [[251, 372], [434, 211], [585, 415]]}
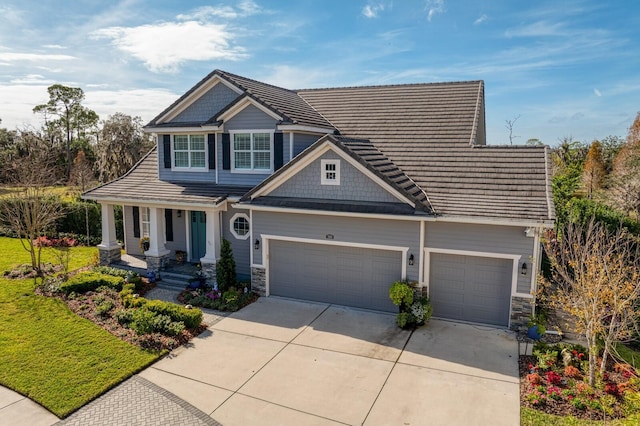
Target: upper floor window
{"points": [[252, 151], [189, 152], [330, 172]]}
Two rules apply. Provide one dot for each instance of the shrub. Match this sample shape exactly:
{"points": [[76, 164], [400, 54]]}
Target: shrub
{"points": [[89, 281], [104, 307], [553, 377], [226, 267], [546, 358], [578, 403], [123, 316], [401, 293], [404, 320], [611, 389], [108, 270], [553, 392], [536, 398], [534, 379], [572, 372], [142, 321], [190, 317]]}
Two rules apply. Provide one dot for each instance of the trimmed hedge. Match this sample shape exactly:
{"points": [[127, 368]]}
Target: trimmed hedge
{"points": [[89, 281], [190, 317]]}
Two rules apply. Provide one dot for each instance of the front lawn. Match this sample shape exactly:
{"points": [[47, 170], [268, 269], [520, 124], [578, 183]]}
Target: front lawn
{"points": [[50, 354]]}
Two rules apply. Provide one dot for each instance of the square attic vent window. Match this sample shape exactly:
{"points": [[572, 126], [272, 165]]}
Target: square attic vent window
{"points": [[330, 172]]}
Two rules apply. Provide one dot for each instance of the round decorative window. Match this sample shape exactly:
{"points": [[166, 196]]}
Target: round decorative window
{"points": [[240, 226]]}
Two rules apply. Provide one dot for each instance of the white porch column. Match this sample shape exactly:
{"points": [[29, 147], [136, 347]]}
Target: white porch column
{"points": [[109, 241], [156, 233], [213, 237]]}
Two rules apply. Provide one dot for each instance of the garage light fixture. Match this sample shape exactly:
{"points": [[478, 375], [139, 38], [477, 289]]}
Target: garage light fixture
{"points": [[523, 270], [411, 260], [257, 244]]}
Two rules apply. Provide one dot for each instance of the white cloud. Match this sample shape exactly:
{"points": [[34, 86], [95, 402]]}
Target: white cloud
{"points": [[244, 9], [53, 46], [32, 79], [32, 57], [294, 77], [597, 92], [434, 7], [482, 18], [164, 47], [372, 9], [146, 103]]}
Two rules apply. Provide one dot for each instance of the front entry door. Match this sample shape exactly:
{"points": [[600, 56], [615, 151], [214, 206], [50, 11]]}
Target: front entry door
{"points": [[198, 235]]}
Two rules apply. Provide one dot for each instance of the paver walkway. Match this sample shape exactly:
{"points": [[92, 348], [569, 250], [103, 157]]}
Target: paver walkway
{"points": [[137, 401]]}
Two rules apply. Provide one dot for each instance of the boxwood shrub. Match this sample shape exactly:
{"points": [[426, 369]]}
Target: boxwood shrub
{"points": [[190, 317], [89, 281]]}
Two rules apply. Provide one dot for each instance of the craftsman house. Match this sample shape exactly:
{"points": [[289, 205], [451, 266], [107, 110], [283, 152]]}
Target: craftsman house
{"points": [[332, 194]]}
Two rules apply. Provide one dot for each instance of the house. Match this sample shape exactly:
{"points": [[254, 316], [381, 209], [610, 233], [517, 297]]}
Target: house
{"points": [[333, 194]]}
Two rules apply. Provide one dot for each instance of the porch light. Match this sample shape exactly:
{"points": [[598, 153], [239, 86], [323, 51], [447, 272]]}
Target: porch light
{"points": [[411, 260], [523, 270], [256, 245], [179, 213]]}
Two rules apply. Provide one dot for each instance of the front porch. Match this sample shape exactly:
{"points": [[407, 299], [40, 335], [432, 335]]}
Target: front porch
{"points": [[173, 274]]}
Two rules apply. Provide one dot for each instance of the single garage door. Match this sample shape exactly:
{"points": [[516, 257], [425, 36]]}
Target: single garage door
{"points": [[348, 276], [471, 288]]}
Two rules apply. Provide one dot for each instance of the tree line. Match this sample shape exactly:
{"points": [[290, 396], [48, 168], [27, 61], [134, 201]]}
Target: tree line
{"points": [[73, 145]]}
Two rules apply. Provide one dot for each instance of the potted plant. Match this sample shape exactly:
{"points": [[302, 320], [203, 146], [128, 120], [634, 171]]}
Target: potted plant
{"points": [[412, 313], [144, 243], [181, 256], [537, 325]]}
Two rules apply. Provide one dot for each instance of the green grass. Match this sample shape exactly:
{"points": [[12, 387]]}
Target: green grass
{"points": [[629, 355], [50, 354], [530, 417]]}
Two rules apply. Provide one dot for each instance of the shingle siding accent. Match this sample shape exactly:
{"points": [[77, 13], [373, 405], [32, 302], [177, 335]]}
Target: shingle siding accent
{"points": [[207, 105], [354, 185]]}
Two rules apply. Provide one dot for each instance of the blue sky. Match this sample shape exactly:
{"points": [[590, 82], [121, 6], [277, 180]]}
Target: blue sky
{"points": [[565, 68]]}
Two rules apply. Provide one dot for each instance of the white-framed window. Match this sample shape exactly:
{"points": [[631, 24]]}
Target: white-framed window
{"points": [[240, 226], [189, 152], [330, 172], [145, 222], [252, 151]]}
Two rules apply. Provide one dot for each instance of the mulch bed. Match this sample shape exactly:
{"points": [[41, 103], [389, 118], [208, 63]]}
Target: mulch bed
{"points": [[26, 271], [85, 306], [562, 407]]}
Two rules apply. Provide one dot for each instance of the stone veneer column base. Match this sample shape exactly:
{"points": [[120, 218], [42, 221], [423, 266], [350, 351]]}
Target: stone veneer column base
{"points": [[259, 281], [521, 310], [209, 270], [156, 263], [109, 256]]}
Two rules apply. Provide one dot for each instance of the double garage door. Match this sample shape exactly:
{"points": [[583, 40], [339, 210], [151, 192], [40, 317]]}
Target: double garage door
{"points": [[471, 288], [350, 276]]}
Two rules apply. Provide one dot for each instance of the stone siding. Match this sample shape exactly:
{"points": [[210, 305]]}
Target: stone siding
{"points": [[259, 281], [156, 264], [107, 257], [521, 310], [209, 270]]}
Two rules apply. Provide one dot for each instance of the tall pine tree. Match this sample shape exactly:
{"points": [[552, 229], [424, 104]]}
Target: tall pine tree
{"points": [[226, 267]]}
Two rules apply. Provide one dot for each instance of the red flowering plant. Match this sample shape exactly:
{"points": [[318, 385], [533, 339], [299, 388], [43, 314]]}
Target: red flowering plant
{"points": [[534, 379], [612, 389], [536, 398], [553, 377], [554, 393]]}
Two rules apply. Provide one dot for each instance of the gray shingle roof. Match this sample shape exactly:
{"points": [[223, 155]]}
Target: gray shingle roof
{"points": [[141, 183], [335, 205]]}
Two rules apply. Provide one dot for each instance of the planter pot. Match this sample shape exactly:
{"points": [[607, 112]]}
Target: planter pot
{"points": [[145, 246], [533, 332]]}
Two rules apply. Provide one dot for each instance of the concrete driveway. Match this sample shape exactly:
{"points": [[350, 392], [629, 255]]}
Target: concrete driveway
{"points": [[281, 361]]}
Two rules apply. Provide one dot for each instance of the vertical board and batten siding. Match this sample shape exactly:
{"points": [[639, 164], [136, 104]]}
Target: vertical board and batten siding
{"points": [[207, 105], [240, 248], [250, 118], [207, 175], [344, 229], [484, 238], [303, 141], [354, 185]]}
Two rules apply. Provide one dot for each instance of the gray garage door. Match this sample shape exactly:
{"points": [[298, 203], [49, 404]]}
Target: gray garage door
{"points": [[333, 274], [470, 288]]}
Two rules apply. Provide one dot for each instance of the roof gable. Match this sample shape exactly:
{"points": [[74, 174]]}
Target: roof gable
{"points": [[374, 168]]}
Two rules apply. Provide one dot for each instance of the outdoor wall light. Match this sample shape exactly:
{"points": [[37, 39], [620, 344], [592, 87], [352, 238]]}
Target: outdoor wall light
{"points": [[256, 245], [523, 270], [179, 213], [411, 260]]}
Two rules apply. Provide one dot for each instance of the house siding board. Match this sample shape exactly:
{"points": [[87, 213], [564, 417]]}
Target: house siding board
{"points": [[343, 229], [207, 105], [226, 177], [354, 185], [241, 248], [179, 233], [484, 238], [250, 118], [303, 141], [131, 242], [174, 176]]}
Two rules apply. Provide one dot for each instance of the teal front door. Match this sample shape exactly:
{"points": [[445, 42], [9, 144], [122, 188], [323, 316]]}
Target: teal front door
{"points": [[198, 235]]}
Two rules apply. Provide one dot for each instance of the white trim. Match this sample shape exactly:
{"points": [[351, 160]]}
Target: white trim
{"points": [[204, 88], [537, 261], [180, 130], [290, 146], [237, 108], [215, 154], [547, 179], [421, 254], [515, 258], [232, 227], [251, 248], [301, 128], [187, 225], [319, 151], [190, 169], [266, 238], [323, 172], [232, 150]]}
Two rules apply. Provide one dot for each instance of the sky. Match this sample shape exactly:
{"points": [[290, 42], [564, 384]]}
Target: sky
{"points": [[555, 69]]}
